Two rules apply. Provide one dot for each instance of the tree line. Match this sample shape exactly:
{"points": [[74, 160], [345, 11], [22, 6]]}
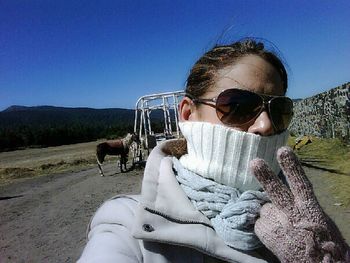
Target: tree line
{"points": [[22, 127], [43, 126], [44, 136]]}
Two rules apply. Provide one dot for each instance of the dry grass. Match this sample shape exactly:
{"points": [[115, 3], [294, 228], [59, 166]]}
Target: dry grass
{"points": [[331, 155], [38, 162], [328, 154]]}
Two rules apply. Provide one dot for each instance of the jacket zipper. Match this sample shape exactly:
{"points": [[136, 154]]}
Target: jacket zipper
{"points": [[177, 220]]}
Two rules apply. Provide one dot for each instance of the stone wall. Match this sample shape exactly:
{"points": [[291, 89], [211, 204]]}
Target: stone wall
{"points": [[324, 115]]}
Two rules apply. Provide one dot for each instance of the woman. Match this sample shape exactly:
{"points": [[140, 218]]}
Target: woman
{"points": [[200, 201]]}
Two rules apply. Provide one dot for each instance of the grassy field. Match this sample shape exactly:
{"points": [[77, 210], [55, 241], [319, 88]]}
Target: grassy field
{"points": [[330, 154], [333, 156], [38, 162]]}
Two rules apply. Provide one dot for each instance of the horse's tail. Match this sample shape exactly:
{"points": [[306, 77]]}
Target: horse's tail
{"points": [[99, 155]]}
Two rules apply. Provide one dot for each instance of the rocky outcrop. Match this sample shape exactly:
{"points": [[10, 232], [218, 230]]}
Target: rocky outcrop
{"points": [[324, 115]]}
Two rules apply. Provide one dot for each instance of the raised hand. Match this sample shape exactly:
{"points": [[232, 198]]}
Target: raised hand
{"points": [[294, 226]]}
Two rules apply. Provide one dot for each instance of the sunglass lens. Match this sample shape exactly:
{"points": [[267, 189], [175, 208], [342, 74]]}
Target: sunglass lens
{"points": [[235, 106], [281, 111]]}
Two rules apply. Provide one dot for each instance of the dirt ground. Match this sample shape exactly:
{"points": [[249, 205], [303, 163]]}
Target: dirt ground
{"points": [[45, 219]]}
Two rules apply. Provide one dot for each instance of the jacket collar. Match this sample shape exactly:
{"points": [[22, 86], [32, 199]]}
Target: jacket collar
{"points": [[172, 218], [161, 191]]}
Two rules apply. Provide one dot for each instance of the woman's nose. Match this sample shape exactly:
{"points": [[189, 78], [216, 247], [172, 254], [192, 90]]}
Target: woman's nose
{"points": [[262, 125]]}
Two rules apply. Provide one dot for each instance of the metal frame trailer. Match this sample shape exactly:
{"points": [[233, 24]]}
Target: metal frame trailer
{"points": [[168, 102]]}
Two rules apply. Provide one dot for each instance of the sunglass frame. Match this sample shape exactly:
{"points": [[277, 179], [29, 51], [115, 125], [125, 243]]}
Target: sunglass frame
{"points": [[266, 105]]}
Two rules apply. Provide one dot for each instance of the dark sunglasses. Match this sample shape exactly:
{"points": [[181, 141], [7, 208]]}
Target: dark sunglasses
{"points": [[236, 107]]}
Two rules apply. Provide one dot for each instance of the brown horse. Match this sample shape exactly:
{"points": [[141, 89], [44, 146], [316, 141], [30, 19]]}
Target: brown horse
{"points": [[115, 147]]}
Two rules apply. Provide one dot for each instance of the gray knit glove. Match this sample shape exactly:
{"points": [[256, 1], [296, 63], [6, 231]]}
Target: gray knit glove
{"points": [[294, 226]]}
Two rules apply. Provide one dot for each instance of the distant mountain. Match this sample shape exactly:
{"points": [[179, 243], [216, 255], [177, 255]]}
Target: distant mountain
{"points": [[50, 115], [41, 108], [15, 108]]}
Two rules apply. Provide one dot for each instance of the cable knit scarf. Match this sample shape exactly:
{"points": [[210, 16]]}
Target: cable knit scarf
{"points": [[232, 214]]}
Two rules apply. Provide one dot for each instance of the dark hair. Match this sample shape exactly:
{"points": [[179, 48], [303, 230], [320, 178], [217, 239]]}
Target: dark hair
{"points": [[203, 73]]}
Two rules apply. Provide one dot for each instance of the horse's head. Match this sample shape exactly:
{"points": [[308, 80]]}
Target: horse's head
{"points": [[130, 138], [135, 138]]}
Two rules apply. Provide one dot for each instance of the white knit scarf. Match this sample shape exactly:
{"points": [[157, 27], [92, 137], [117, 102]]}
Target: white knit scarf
{"points": [[232, 214], [223, 154]]}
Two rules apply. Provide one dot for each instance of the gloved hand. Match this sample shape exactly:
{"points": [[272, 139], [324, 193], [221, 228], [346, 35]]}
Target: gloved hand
{"points": [[294, 226]]}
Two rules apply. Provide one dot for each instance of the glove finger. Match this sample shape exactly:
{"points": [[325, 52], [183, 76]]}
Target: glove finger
{"points": [[279, 194], [300, 186]]}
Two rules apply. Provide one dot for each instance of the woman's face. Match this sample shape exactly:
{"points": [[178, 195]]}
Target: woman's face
{"points": [[250, 73]]}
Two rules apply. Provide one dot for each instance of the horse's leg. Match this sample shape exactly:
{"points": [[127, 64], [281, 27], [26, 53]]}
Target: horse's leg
{"points": [[121, 163], [99, 167], [126, 161]]}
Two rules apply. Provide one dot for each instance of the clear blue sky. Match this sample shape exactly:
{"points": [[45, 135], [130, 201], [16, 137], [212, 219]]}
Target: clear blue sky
{"points": [[108, 53]]}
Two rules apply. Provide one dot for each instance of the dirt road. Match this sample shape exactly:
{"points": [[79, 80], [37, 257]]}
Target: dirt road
{"points": [[45, 219]]}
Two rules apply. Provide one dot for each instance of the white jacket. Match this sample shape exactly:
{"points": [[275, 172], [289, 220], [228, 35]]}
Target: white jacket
{"points": [[161, 225]]}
